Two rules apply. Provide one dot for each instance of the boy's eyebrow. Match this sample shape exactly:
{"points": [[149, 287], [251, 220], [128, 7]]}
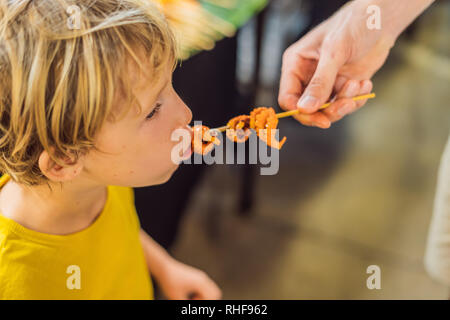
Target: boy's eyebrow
{"points": [[159, 93], [164, 86]]}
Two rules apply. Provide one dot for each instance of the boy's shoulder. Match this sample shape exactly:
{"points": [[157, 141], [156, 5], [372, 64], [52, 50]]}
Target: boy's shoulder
{"points": [[20, 264]]}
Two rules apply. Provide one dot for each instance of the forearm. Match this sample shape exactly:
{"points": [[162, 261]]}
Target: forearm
{"points": [[156, 257], [397, 15]]}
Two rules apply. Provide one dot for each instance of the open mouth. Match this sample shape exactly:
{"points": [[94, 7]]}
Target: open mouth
{"points": [[187, 152]]}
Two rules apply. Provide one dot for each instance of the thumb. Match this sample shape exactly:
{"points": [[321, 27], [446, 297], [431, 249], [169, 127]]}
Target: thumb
{"points": [[321, 85]]}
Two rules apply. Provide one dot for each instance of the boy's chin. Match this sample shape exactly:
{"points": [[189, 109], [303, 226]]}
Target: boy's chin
{"points": [[163, 178]]}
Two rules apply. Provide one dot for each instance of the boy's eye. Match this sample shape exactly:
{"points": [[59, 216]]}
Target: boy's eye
{"points": [[153, 112]]}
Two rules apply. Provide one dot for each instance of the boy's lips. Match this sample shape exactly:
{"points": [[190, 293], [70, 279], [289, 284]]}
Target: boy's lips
{"points": [[188, 152]]}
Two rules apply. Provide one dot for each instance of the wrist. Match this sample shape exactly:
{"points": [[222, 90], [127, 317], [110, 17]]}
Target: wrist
{"points": [[396, 15]]}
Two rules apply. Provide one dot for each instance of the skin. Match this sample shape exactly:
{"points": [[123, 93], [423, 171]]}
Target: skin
{"points": [[337, 59], [135, 151]]}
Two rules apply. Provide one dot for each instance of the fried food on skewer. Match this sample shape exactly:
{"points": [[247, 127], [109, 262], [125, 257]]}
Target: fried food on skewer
{"points": [[203, 141], [239, 128], [262, 120]]}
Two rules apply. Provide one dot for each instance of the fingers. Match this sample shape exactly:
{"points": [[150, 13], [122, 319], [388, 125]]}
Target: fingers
{"points": [[321, 85], [340, 82], [323, 119], [323, 80], [317, 119], [290, 83], [366, 87], [344, 105], [341, 108]]}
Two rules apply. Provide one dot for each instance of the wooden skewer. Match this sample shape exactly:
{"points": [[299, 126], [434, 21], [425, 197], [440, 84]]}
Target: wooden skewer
{"points": [[292, 112]]}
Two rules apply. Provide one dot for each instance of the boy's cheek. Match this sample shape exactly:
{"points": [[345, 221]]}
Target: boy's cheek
{"points": [[141, 158]]}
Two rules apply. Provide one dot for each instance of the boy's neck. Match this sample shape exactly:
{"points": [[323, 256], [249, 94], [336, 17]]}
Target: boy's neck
{"points": [[63, 209]]}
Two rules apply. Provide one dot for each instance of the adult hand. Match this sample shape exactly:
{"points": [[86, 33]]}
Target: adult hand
{"points": [[334, 61]]}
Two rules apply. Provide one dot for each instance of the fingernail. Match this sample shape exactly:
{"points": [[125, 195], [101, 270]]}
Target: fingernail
{"points": [[344, 110], [307, 103]]}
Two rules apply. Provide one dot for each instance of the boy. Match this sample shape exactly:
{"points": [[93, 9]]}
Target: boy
{"points": [[85, 114]]}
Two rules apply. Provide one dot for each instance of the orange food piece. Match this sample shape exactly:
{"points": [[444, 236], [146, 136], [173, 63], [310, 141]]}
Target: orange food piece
{"points": [[239, 128], [268, 136], [203, 141], [263, 120]]}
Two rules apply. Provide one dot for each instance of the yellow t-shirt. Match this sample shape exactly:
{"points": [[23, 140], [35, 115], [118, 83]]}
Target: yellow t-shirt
{"points": [[103, 261]]}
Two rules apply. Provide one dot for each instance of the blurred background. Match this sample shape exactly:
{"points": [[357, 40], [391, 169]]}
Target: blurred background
{"points": [[358, 194]]}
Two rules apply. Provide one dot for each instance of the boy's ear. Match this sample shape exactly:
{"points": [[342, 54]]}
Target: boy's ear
{"points": [[57, 173]]}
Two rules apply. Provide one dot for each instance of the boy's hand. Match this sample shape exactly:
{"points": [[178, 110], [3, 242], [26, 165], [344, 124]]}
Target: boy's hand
{"points": [[182, 282]]}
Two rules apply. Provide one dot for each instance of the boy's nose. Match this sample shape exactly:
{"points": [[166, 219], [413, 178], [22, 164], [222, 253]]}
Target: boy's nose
{"points": [[189, 114], [186, 112]]}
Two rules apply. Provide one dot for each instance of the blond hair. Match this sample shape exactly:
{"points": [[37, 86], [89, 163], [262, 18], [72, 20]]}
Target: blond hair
{"points": [[58, 81]]}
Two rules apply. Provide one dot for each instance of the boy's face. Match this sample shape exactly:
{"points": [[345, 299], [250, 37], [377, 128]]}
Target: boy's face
{"points": [[136, 150]]}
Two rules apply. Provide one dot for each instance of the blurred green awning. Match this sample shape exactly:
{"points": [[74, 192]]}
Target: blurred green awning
{"points": [[200, 24], [239, 11]]}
